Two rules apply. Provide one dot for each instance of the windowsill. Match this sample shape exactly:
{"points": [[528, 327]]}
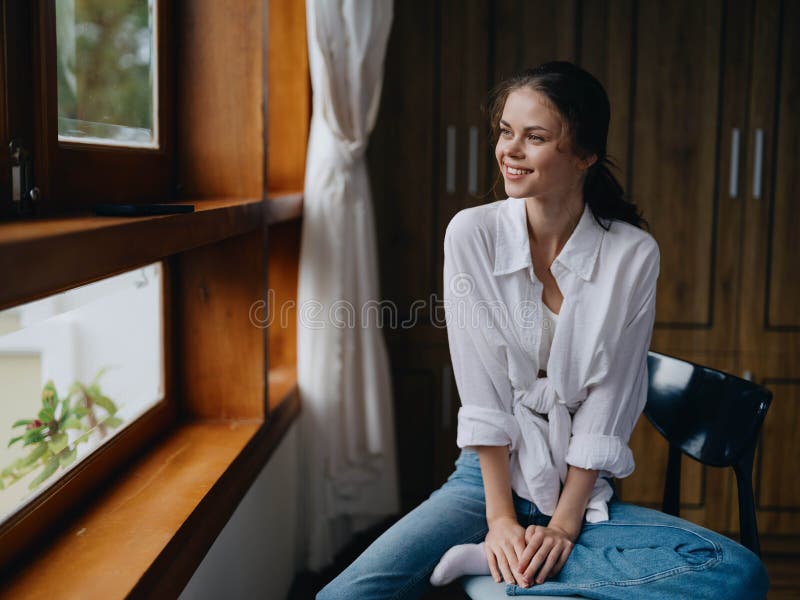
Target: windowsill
{"points": [[148, 531], [36, 242]]}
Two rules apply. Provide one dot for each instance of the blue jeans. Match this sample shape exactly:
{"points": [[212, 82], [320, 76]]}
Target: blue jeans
{"points": [[638, 553]]}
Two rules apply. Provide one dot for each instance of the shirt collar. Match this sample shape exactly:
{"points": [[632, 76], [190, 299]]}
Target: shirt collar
{"points": [[512, 248]]}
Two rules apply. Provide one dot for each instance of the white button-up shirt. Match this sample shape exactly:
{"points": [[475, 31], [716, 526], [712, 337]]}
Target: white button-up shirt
{"points": [[583, 412]]}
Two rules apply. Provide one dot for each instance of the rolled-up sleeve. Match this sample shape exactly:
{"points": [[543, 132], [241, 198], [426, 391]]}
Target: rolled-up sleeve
{"points": [[602, 425], [480, 366]]}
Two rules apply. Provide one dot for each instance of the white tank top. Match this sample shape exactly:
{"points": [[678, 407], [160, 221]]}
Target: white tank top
{"points": [[549, 319]]}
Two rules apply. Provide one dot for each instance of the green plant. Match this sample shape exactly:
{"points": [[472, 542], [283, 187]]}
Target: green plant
{"points": [[48, 432]]}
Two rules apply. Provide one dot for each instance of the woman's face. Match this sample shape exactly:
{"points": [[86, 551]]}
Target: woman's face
{"points": [[528, 152]]}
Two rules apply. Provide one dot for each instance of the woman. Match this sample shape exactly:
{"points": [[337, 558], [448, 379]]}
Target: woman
{"points": [[550, 304]]}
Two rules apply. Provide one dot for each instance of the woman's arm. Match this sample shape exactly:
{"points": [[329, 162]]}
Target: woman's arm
{"points": [[549, 547], [496, 482], [571, 507], [505, 541]]}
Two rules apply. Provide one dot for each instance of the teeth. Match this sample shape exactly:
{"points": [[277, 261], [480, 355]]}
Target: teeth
{"points": [[514, 171]]}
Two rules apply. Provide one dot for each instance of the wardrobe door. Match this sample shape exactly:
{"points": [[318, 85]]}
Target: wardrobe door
{"points": [[770, 305], [690, 69]]}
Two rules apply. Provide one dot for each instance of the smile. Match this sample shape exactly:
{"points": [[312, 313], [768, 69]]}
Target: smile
{"points": [[514, 171]]}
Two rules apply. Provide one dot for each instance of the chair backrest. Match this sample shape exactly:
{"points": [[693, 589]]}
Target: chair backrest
{"points": [[712, 416]]}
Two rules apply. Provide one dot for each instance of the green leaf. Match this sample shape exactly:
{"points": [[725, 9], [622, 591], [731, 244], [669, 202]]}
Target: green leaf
{"points": [[15, 440], [35, 455], [106, 403], [22, 422], [80, 411], [82, 439], [48, 470], [33, 436], [58, 442], [46, 415], [72, 422], [112, 422], [68, 457]]}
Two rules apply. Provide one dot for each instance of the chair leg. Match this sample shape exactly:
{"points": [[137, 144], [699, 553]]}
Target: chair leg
{"points": [[672, 485], [748, 528]]}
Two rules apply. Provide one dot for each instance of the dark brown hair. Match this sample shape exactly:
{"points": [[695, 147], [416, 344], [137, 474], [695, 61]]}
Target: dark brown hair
{"points": [[582, 103]]}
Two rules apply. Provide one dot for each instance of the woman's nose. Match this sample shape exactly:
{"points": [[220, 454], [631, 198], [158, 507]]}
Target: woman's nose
{"points": [[512, 148]]}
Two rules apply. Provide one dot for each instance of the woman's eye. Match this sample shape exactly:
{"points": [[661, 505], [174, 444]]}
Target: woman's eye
{"points": [[505, 132], [535, 138]]}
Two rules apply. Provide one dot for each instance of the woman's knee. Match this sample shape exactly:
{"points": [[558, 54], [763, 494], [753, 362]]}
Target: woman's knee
{"points": [[746, 574]]}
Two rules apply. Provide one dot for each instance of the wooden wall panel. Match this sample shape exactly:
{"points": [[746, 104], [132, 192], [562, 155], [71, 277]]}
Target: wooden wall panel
{"points": [[530, 33], [281, 316], [220, 348], [777, 490], [780, 446], [673, 177], [289, 95], [415, 394], [607, 37], [783, 288], [221, 153], [691, 67], [462, 100], [402, 158]]}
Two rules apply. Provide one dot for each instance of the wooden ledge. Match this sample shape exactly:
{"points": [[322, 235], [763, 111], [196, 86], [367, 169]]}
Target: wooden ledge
{"points": [[284, 206], [146, 535], [44, 256]]}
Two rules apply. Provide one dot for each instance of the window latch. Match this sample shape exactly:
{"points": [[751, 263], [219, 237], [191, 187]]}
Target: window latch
{"points": [[23, 193]]}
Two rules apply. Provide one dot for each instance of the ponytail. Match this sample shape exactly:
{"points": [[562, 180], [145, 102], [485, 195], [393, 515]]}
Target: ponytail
{"points": [[606, 197]]}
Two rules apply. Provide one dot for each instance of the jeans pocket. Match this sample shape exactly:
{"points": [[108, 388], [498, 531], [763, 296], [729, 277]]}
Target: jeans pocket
{"points": [[628, 554]]}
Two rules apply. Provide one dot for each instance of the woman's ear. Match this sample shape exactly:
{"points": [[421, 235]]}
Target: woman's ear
{"points": [[588, 161]]}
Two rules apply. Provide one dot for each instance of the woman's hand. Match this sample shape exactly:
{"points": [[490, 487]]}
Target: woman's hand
{"points": [[546, 552], [503, 545]]}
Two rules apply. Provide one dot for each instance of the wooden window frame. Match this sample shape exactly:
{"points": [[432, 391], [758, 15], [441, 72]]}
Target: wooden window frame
{"points": [[241, 241], [26, 527], [119, 174]]}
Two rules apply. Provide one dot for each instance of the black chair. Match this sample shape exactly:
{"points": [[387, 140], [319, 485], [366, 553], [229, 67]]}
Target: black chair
{"points": [[712, 416]]}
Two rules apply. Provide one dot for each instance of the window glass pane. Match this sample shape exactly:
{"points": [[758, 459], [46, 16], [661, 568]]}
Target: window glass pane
{"points": [[76, 368], [106, 70]]}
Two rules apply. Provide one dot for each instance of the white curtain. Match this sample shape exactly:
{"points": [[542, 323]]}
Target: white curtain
{"points": [[347, 421]]}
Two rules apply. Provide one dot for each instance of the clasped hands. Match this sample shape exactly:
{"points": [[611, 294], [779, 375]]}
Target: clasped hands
{"points": [[524, 556]]}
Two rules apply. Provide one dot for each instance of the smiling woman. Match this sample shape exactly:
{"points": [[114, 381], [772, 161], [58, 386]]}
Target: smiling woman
{"points": [[531, 501]]}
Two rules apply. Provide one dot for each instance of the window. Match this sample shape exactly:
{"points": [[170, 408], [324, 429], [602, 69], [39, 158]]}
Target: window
{"points": [[100, 128], [106, 72], [76, 368]]}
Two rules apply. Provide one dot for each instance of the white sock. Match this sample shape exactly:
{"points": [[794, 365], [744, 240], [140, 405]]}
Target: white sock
{"points": [[464, 559]]}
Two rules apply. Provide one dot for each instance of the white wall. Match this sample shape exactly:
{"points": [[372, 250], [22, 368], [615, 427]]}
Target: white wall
{"points": [[254, 555]]}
